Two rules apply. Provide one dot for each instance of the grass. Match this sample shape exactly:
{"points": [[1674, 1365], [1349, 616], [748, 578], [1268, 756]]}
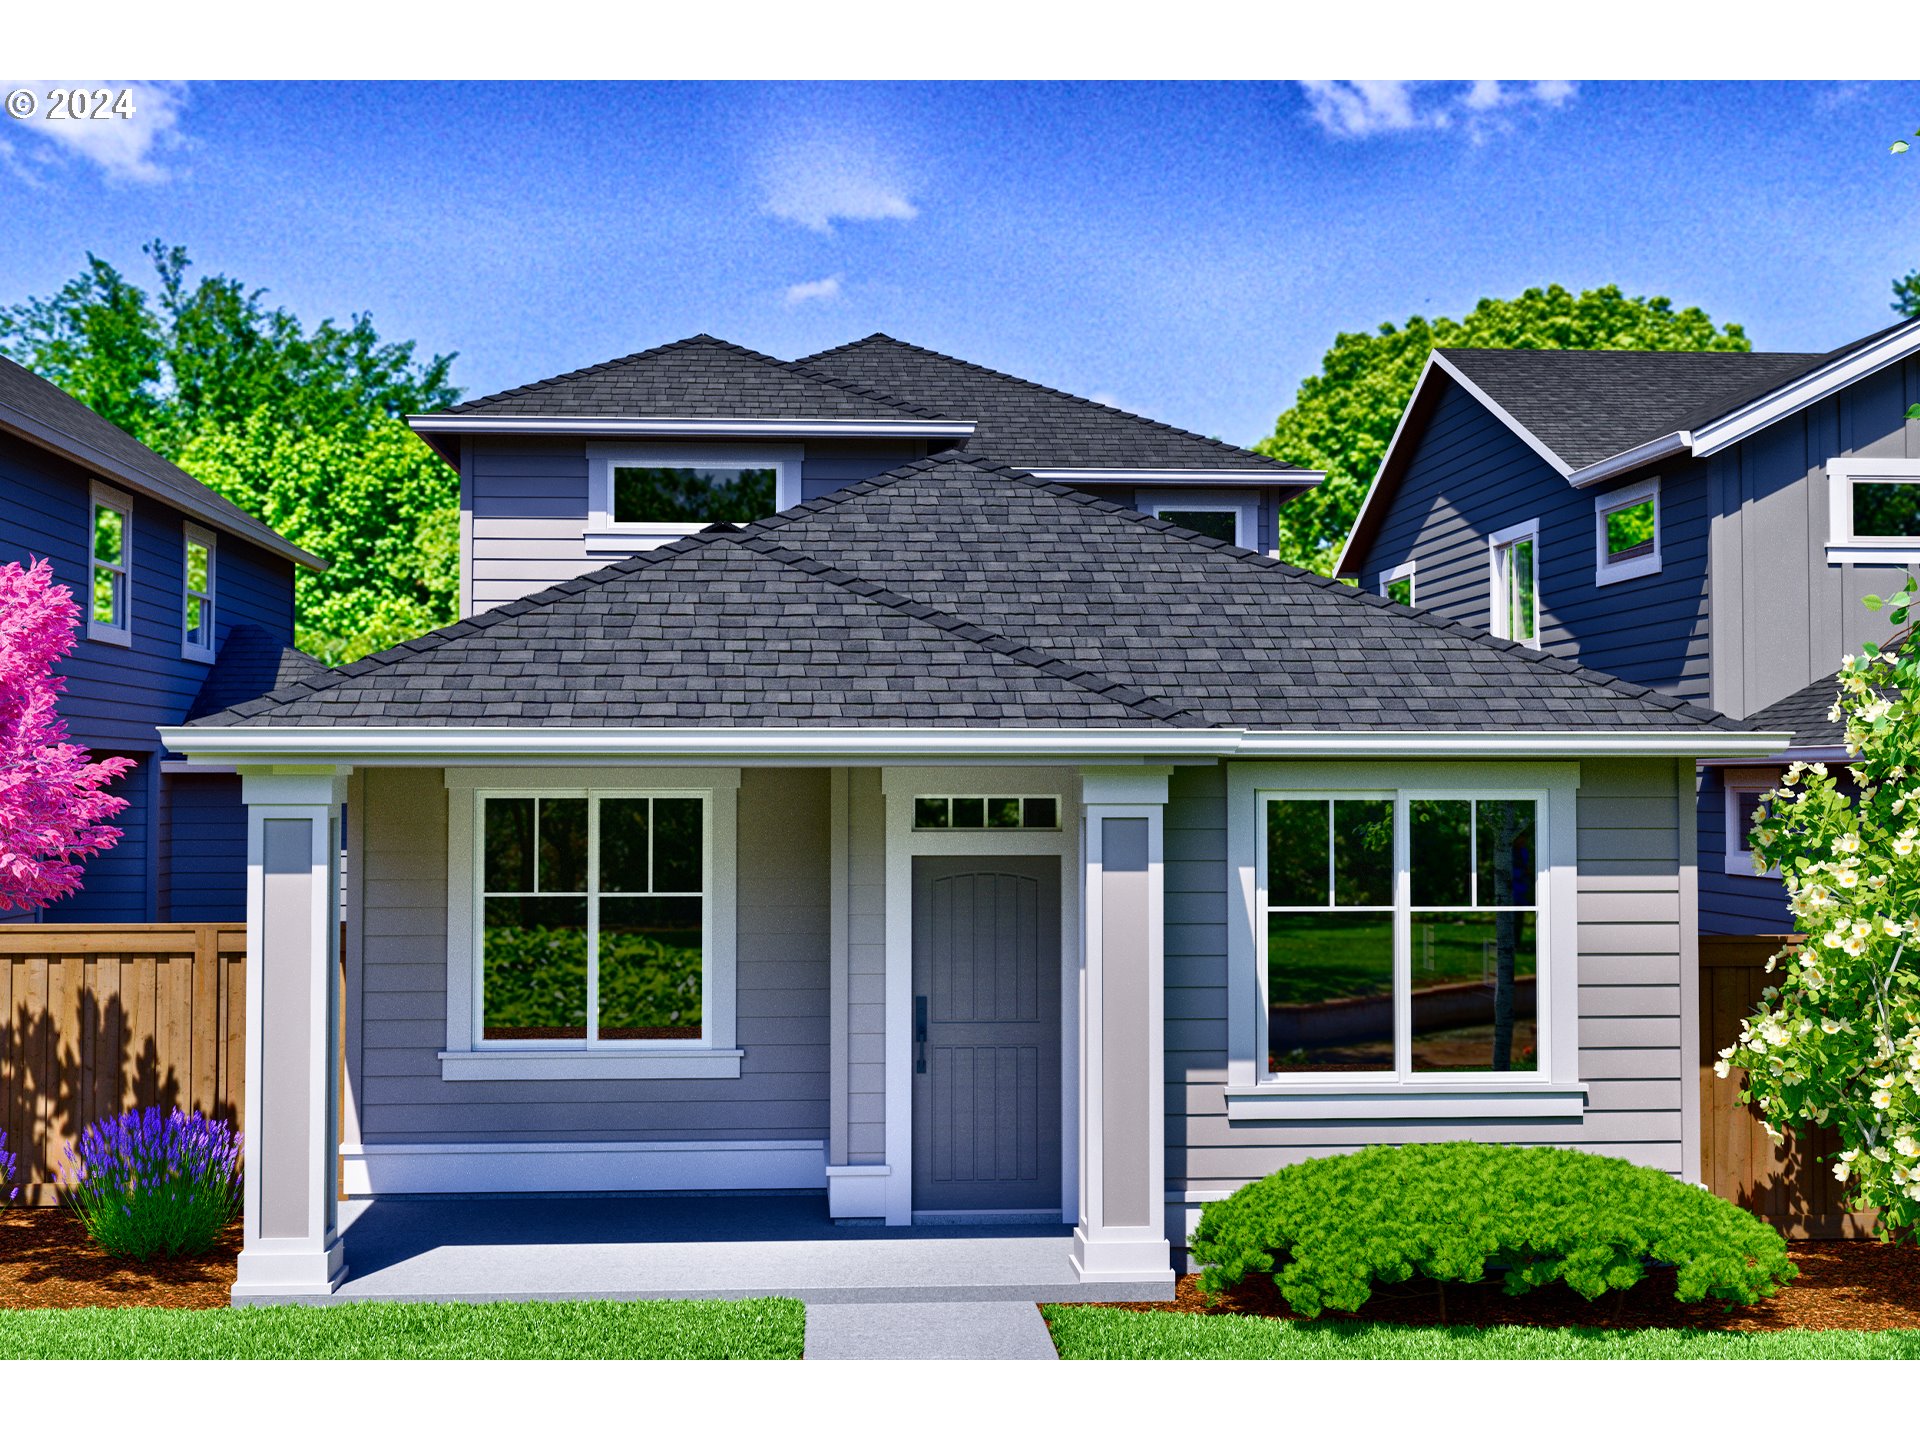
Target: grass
{"points": [[558, 1330], [1083, 1332]]}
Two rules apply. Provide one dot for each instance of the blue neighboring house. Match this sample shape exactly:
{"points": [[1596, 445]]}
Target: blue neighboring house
{"points": [[189, 608], [1701, 524]]}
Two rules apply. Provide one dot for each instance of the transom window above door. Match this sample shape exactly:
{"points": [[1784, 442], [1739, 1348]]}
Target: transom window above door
{"points": [[986, 812], [1401, 935]]}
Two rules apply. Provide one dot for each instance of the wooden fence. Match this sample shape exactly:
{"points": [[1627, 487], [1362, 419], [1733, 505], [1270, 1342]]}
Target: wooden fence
{"points": [[1790, 1186], [99, 1019]]}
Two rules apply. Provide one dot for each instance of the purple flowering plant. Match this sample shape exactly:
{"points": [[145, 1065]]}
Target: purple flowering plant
{"points": [[154, 1182], [7, 1163]]}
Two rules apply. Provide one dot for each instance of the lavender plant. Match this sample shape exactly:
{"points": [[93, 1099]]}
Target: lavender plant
{"points": [[154, 1182], [7, 1162]]}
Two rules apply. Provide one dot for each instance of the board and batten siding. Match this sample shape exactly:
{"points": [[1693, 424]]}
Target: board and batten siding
{"points": [[1636, 962], [398, 966], [1470, 476], [1785, 615]]}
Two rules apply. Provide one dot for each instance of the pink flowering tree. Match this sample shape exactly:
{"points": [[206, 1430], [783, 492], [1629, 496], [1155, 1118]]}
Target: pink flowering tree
{"points": [[53, 798]]}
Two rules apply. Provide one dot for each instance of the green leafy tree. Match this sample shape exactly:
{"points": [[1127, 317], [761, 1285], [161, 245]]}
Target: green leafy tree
{"points": [[1836, 1040], [1343, 418], [299, 426]]}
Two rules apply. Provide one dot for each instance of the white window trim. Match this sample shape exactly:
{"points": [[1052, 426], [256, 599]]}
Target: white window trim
{"points": [[1742, 790], [1404, 572], [604, 536], [1497, 614], [194, 535], [1553, 1089], [1843, 546], [1244, 507], [1607, 571], [467, 1056], [102, 494]]}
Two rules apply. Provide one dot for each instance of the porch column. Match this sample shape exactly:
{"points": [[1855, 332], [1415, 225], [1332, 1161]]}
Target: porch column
{"points": [[292, 1243], [1122, 1234]]}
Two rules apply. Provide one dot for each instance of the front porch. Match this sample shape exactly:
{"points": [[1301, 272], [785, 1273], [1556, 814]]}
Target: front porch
{"points": [[719, 1247]]}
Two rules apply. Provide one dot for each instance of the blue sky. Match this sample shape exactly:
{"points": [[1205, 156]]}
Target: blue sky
{"points": [[1186, 251]]}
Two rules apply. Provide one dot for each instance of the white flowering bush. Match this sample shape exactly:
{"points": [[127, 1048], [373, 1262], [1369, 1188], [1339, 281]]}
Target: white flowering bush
{"points": [[1836, 1039]]}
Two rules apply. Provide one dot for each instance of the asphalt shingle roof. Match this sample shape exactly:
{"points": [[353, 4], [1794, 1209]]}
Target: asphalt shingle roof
{"points": [[697, 378], [1019, 422], [42, 409], [1587, 405], [1804, 715], [251, 663], [956, 593]]}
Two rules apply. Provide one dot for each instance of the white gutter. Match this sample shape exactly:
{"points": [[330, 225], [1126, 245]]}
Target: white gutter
{"points": [[1680, 442], [1736, 425], [880, 427], [1113, 475], [1806, 753], [336, 745]]}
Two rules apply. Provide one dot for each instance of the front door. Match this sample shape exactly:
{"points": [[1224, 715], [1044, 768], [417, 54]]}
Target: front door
{"points": [[986, 1017]]}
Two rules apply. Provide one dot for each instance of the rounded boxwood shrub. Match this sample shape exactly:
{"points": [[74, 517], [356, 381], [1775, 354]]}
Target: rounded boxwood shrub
{"points": [[1328, 1230]]}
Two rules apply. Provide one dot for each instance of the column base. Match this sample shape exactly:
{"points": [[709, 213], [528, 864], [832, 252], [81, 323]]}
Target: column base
{"points": [[1133, 1254], [857, 1192], [288, 1274]]}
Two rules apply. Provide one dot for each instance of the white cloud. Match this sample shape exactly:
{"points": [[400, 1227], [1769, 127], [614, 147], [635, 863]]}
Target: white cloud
{"points": [[824, 289], [126, 147], [1355, 109], [817, 178]]}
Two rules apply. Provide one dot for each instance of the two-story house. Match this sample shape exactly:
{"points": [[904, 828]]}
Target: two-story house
{"points": [[889, 780], [1703, 524], [188, 604]]}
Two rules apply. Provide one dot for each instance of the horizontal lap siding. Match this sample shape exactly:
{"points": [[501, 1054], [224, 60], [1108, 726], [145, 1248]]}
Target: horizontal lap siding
{"points": [[830, 465], [204, 860], [1469, 476], [1629, 1022], [782, 978], [529, 518], [1732, 903]]}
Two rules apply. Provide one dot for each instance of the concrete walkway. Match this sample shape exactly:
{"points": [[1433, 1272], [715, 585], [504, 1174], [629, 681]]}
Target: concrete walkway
{"points": [[698, 1247], [982, 1330]]}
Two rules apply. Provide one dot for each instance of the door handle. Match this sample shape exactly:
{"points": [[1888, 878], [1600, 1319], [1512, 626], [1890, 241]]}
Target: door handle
{"points": [[920, 1034]]}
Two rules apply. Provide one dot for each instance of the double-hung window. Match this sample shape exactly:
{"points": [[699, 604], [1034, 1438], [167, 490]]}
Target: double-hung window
{"points": [[1626, 525], [197, 599], [110, 606], [1397, 584], [1514, 583], [598, 932]]}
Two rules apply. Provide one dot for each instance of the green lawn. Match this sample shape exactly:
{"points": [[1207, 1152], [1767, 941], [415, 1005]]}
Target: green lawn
{"points": [[1086, 1333], [565, 1330]]}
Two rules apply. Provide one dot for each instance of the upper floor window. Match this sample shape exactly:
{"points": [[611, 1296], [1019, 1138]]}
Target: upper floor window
{"points": [[1626, 525], [1873, 510], [1221, 514], [197, 601], [1397, 584], [641, 495], [1514, 580], [110, 608]]}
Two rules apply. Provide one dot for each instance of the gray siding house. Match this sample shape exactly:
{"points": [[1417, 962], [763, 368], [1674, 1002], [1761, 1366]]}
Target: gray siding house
{"points": [[867, 776], [1702, 524]]}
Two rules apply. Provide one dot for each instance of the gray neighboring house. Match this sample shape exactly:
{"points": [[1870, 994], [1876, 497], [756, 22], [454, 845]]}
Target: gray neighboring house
{"points": [[960, 841], [1703, 524]]}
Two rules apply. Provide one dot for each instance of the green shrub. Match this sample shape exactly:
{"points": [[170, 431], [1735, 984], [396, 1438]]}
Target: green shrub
{"points": [[1327, 1230]]}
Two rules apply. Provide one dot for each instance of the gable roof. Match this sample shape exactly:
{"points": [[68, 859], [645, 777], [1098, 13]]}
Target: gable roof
{"points": [[1597, 415], [700, 377], [41, 412], [251, 663], [1020, 422], [958, 594]]}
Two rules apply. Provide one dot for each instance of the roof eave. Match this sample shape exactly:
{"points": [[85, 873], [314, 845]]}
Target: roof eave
{"points": [[1648, 452], [490, 745], [877, 427], [256, 532], [1264, 476], [1736, 425]]}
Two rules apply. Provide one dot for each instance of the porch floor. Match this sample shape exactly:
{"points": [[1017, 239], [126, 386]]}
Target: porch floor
{"points": [[483, 1247]]}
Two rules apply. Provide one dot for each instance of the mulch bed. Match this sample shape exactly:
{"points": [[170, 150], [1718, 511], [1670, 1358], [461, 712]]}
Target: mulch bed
{"points": [[47, 1262], [1843, 1285]]}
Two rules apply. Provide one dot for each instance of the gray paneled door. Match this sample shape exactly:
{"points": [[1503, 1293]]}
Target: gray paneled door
{"points": [[986, 1054]]}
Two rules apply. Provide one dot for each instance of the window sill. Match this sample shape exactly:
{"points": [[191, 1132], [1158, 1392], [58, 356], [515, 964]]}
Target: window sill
{"points": [[1861, 553], [109, 634], [580, 1065], [1406, 1102], [629, 538], [1634, 569]]}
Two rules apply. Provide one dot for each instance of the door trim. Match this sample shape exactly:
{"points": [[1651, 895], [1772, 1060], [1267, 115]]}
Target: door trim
{"points": [[899, 784]]}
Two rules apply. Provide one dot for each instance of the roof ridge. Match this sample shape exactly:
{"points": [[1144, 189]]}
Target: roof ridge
{"points": [[1065, 671], [1045, 390], [700, 339]]}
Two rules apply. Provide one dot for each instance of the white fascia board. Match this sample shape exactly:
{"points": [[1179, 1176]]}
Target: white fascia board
{"points": [[1807, 754], [1732, 428], [1258, 479], [1645, 453], [344, 745], [1341, 567], [879, 427]]}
